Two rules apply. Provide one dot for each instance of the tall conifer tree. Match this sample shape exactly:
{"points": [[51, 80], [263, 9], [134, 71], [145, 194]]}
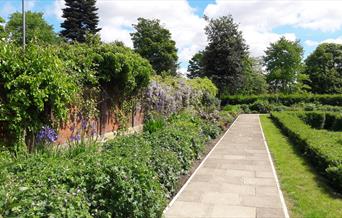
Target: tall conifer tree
{"points": [[80, 19], [223, 57]]}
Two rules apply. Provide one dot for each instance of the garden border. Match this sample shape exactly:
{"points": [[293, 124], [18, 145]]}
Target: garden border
{"points": [[198, 167]]}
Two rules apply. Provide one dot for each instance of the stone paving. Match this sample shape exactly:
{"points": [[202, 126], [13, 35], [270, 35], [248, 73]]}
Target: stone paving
{"points": [[235, 180]]}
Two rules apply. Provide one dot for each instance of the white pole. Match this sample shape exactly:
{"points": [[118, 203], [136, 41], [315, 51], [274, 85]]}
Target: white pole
{"points": [[24, 23]]}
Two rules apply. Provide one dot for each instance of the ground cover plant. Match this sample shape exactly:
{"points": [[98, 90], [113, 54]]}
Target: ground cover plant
{"points": [[301, 185], [323, 147], [130, 176]]}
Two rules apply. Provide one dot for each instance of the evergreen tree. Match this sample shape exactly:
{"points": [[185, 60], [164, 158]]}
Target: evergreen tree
{"points": [[153, 42], [224, 55], [80, 19], [195, 67], [324, 68]]}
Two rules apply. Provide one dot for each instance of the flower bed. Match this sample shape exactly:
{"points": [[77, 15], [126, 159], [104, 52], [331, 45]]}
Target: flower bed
{"points": [[131, 176]]}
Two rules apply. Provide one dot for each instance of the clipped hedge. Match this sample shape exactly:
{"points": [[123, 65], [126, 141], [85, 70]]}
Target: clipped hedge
{"points": [[322, 147], [287, 100], [130, 176], [323, 120]]}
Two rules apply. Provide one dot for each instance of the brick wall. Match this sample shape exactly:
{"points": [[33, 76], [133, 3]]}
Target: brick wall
{"points": [[103, 125]]}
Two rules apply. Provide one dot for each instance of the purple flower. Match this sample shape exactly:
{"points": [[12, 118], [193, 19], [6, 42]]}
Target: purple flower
{"points": [[78, 137], [72, 138], [46, 134], [84, 124], [75, 138]]}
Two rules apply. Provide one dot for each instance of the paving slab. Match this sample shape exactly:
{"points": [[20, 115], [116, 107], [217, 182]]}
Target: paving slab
{"points": [[236, 179]]}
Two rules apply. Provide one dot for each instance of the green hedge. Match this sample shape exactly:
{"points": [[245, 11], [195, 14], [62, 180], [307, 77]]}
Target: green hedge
{"points": [[323, 120], [322, 147], [130, 176], [287, 100]]}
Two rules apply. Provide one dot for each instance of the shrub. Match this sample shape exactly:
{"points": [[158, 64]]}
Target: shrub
{"points": [[323, 148], [122, 71], [203, 84], [153, 125], [260, 106]]}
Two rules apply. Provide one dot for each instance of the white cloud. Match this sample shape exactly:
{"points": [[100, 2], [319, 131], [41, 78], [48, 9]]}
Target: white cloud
{"points": [[311, 43], [29, 5], [117, 17], [323, 15], [336, 40], [258, 40], [257, 18], [182, 71]]}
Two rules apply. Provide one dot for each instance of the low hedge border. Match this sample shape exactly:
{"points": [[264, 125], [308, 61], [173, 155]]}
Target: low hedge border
{"points": [[323, 148], [323, 120], [287, 100]]}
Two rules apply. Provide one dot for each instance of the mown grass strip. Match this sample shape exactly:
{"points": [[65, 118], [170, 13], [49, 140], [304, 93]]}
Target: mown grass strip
{"points": [[305, 191]]}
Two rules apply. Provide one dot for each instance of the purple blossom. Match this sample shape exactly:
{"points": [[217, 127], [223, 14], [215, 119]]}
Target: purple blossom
{"points": [[75, 138], [84, 124], [46, 134], [72, 138]]}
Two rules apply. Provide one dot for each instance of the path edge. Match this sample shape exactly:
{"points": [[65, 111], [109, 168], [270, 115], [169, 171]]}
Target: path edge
{"points": [[282, 200], [199, 166]]}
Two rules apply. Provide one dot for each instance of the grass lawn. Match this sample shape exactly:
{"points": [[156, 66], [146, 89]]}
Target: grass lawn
{"points": [[306, 193]]}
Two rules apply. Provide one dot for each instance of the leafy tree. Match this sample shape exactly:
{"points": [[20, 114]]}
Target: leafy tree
{"points": [[324, 68], [254, 78], [2, 28], [37, 29], [80, 19], [223, 57], [195, 67], [154, 42], [283, 61]]}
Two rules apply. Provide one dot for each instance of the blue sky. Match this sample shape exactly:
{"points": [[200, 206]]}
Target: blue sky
{"points": [[262, 21]]}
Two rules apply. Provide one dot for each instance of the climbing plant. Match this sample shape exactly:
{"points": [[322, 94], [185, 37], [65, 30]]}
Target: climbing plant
{"points": [[34, 90]]}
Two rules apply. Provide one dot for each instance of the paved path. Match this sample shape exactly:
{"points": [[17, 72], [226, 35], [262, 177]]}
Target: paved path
{"points": [[235, 180]]}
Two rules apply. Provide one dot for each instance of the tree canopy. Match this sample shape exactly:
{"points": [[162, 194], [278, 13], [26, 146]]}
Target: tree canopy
{"points": [[37, 29], [195, 67], [153, 42], [80, 19], [2, 28], [283, 61], [324, 68], [254, 78], [223, 56]]}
